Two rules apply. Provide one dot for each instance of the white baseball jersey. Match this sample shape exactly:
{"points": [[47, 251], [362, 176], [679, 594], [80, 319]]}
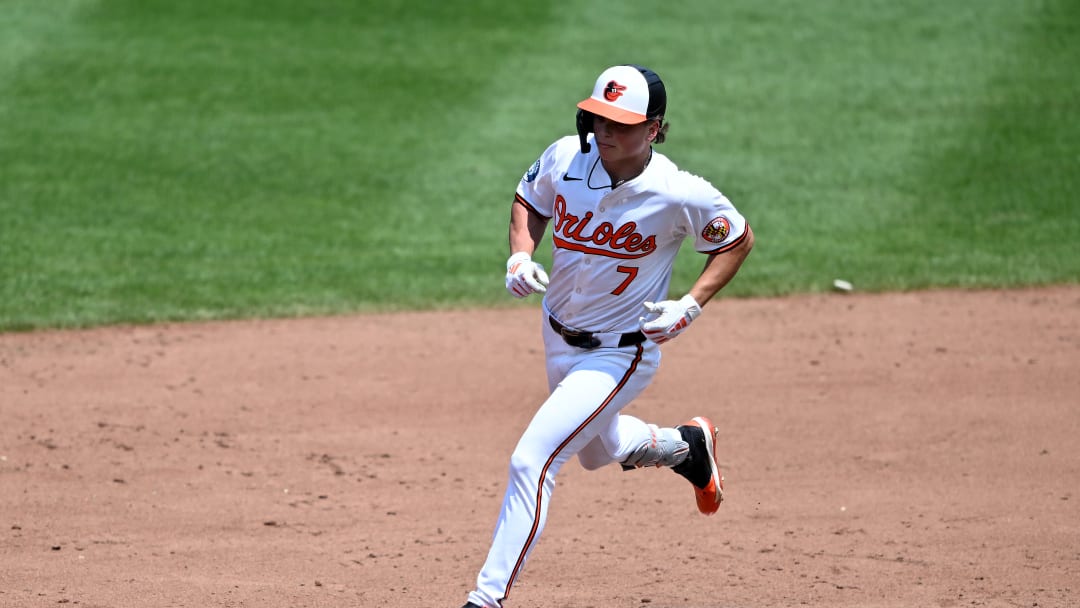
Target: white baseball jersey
{"points": [[619, 242]]}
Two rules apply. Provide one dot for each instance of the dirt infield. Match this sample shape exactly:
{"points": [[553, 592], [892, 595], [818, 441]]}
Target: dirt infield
{"points": [[880, 450]]}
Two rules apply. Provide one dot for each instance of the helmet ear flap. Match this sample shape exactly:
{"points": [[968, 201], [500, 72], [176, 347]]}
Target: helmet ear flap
{"points": [[584, 127]]}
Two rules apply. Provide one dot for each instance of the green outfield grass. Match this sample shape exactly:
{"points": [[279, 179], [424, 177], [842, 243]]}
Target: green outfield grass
{"points": [[166, 160]]}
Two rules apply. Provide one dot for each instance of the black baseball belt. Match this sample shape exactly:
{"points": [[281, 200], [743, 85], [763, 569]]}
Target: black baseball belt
{"points": [[588, 339]]}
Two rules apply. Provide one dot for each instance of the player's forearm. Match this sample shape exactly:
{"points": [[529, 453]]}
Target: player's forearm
{"points": [[720, 269], [526, 229]]}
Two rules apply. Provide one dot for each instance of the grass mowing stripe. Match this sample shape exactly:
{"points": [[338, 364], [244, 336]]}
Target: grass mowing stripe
{"points": [[315, 212], [836, 144], [30, 25], [1012, 173], [988, 166]]}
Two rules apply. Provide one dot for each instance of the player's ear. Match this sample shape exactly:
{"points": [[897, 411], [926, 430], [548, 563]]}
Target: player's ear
{"points": [[654, 130], [661, 131]]}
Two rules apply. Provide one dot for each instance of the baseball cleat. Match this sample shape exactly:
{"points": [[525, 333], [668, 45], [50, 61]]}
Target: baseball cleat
{"points": [[700, 467]]}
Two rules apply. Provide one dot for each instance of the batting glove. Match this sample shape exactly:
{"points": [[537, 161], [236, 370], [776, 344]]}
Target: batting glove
{"points": [[674, 316], [524, 276]]}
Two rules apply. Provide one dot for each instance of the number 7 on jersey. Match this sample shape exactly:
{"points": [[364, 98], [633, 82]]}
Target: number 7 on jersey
{"points": [[631, 274]]}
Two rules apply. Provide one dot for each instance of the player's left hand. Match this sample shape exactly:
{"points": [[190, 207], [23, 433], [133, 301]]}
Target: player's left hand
{"points": [[673, 317]]}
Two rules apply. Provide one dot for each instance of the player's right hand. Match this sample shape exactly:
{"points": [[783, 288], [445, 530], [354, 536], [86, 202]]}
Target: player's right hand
{"points": [[524, 276]]}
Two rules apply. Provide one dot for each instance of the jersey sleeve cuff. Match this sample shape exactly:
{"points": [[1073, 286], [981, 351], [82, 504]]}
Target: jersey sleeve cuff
{"points": [[520, 200]]}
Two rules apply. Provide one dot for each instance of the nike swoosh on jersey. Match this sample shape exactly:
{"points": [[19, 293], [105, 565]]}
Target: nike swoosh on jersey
{"points": [[566, 178]]}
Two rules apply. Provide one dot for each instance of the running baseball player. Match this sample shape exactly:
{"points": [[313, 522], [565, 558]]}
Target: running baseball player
{"points": [[618, 212]]}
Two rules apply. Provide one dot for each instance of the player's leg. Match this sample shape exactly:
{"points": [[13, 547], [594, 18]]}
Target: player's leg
{"points": [[633, 443], [581, 405], [688, 449]]}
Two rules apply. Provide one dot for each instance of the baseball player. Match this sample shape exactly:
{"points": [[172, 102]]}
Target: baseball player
{"points": [[618, 212]]}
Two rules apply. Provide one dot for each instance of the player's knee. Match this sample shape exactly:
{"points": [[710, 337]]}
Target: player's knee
{"points": [[523, 463]]}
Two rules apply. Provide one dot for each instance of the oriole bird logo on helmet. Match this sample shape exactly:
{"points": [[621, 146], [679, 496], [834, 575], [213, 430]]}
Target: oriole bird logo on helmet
{"points": [[613, 91]]}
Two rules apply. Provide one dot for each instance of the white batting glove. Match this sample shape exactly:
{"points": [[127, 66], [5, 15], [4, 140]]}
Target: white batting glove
{"points": [[524, 276], [674, 316]]}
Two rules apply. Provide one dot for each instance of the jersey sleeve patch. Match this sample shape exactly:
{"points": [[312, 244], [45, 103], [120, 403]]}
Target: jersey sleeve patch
{"points": [[716, 230], [533, 171]]}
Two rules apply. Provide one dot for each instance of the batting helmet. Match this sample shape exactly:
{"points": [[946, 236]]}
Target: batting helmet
{"points": [[628, 94]]}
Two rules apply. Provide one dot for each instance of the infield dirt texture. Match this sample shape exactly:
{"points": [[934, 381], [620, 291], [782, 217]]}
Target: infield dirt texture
{"points": [[880, 450]]}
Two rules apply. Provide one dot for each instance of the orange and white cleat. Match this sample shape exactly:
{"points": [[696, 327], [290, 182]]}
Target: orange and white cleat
{"points": [[700, 467]]}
